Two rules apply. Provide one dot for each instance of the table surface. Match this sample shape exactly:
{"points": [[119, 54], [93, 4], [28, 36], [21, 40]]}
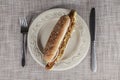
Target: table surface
{"points": [[107, 40]]}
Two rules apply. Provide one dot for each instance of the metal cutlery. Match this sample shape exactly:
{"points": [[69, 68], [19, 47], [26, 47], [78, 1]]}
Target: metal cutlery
{"points": [[24, 30], [92, 33]]}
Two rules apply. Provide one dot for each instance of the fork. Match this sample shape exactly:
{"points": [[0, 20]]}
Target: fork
{"points": [[24, 30]]}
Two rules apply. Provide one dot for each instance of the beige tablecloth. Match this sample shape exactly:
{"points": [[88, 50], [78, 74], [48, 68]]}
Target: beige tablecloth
{"points": [[107, 40]]}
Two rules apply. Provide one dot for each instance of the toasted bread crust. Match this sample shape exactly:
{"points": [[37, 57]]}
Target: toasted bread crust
{"points": [[62, 47], [56, 38]]}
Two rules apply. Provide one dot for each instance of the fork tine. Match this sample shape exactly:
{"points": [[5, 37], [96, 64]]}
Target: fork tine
{"points": [[25, 21], [21, 21]]}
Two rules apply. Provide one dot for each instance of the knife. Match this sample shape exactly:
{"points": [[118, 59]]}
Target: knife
{"points": [[92, 33]]}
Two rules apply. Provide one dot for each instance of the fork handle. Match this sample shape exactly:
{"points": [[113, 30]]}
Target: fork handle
{"points": [[24, 50]]}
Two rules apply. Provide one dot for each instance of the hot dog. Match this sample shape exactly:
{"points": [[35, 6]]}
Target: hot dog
{"points": [[58, 39]]}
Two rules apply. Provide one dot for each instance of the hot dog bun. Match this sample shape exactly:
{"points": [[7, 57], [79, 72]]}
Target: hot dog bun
{"points": [[56, 37], [59, 38]]}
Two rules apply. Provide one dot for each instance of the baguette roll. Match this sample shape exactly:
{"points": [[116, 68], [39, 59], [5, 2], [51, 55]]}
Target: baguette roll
{"points": [[55, 39], [58, 39]]}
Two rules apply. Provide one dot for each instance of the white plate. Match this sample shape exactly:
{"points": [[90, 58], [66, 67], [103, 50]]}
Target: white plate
{"points": [[39, 32]]}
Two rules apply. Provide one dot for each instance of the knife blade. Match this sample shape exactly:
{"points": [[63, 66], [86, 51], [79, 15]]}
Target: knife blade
{"points": [[92, 33]]}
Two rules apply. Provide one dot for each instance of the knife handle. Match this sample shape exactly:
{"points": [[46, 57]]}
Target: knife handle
{"points": [[93, 57]]}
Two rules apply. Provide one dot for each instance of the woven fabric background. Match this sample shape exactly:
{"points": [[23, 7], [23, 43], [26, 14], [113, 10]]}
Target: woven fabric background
{"points": [[107, 40]]}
